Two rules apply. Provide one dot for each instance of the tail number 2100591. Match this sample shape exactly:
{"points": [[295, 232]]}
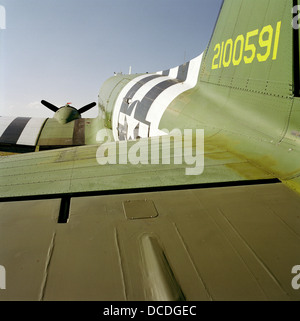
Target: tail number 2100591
{"points": [[244, 48]]}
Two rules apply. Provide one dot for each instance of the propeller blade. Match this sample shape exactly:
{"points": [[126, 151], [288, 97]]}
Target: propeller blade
{"points": [[50, 106], [86, 108]]}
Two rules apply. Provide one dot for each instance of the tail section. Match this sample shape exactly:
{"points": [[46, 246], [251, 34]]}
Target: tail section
{"points": [[246, 83], [252, 47]]}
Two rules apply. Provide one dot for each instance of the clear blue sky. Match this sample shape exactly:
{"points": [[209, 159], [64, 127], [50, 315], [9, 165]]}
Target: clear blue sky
{"points": [[63, 50]]}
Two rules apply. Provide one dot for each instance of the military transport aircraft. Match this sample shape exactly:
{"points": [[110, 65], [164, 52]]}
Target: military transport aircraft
{"points": [[101, 209]]}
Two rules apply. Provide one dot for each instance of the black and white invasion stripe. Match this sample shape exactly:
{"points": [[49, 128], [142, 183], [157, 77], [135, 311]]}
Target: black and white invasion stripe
{"points": [[20, 130], [142, 102]]}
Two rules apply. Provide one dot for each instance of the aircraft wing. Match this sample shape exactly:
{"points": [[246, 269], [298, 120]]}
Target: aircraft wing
{"points": [[78, 230], [207, 215], [81, 170]]}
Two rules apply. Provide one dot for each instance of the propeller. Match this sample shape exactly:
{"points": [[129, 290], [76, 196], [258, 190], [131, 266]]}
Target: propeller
{"points": [[86, 108], [50, 106], [80, 110]]}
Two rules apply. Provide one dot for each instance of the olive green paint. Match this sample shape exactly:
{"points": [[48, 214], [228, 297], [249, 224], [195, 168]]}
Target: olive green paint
{"points": [[221, 243]]}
